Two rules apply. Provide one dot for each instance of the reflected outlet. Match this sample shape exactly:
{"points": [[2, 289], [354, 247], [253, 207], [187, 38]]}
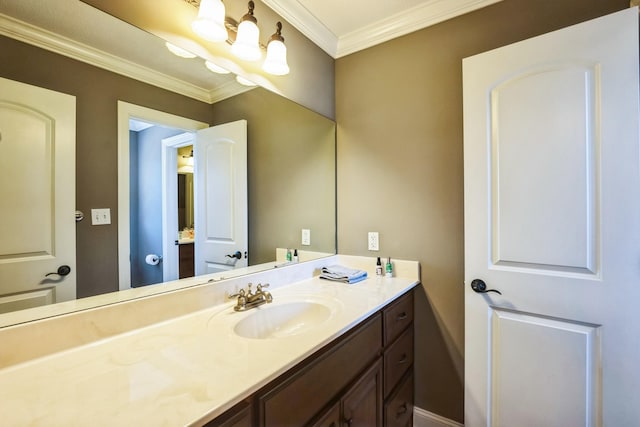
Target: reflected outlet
{"points": [[306, 237], [374, 241]]}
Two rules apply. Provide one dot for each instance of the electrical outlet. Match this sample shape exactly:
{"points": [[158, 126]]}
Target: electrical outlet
{"points": [[100, 216], [374, 241], [306, 237]]}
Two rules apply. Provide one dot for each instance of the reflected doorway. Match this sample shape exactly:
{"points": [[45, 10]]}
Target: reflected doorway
{"points": [[154, 223], [126, 112]]}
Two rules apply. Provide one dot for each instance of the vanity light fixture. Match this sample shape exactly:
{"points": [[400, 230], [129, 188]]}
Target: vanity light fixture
{"points": [[243, 38], [276, 61], [246, 44], [210, 23]]}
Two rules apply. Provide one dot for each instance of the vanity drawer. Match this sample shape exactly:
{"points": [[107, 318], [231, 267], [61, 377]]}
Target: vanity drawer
{"points": [[397, 317], [398, 358], [296, 400], [398, 411]]}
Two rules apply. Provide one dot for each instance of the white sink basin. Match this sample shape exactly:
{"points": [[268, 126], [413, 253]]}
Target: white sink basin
{"points": [[283, 320]]}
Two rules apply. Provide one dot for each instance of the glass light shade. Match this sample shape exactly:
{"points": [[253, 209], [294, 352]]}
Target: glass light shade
{"points": [[276, 61], [215, 68], [246, 45], [178, 51], [210, 21]]}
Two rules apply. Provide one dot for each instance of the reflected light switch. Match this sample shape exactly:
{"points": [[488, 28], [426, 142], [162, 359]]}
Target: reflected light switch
{"points": [[101, 216]]}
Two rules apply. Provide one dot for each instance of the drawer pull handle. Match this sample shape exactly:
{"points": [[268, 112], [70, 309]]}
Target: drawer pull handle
{"points": [[402, 316], [349, 421], [403, 359], [401, 410]]}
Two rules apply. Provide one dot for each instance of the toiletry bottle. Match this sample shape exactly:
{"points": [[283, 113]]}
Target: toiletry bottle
{"points": [[288, 254], [378, 267], [389, 268], [295, 255]]}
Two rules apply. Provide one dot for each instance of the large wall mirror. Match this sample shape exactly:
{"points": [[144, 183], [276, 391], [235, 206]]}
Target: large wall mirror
{"points": [[291, 179]]}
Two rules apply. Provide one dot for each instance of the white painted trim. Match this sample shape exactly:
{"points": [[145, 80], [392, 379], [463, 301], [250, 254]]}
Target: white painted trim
{"points": [[128, 111], [170, 251], [305, 22], [426, 14], [39, 37], [422, 418], [421, 16]]}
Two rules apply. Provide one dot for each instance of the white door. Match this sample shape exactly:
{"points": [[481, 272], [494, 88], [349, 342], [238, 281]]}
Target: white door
{"points": [[221, 218], [552, 220], [37, 196]]}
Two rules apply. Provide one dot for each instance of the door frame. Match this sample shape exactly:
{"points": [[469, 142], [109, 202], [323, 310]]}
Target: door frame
{"points": [[128, 111], [170, 250]]}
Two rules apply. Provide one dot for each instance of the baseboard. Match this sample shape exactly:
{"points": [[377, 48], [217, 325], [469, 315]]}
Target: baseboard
{"points": [[422, 418]]}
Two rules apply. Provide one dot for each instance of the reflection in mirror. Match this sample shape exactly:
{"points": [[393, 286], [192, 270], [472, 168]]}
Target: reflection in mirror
{"points": [[291, 177], [291, 186]]}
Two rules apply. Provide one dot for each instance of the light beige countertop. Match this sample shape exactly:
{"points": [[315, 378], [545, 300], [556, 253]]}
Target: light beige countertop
{"points": [[190, 368]]}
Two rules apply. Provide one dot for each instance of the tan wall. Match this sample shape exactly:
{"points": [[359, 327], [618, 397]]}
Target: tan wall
{"points": [[400, 167], [291, 174]]}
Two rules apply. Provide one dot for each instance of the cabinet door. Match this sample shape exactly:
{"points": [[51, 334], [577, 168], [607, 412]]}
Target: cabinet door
{"points": [[331, 418], [362, 404]]}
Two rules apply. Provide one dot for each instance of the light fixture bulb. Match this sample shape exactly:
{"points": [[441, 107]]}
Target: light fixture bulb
{"points": [[276, 61], [178, 51], [246, 44], [215, 68], [210, 21]]}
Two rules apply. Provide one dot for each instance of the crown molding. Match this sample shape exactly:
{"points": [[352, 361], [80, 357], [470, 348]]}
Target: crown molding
{"points": [[421, 16], [305, 22], [27, 33], [426, 14]]}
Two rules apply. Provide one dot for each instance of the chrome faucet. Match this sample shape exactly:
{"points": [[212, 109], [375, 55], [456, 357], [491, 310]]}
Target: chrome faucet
{"points": [[248, 300]]}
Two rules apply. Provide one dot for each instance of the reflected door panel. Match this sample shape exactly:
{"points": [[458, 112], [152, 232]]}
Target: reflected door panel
{"points": [[37, 182], [221, 197]]}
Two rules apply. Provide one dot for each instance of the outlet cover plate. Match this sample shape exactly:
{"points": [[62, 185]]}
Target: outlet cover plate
{"points": [[374, 241], [306, 237]]}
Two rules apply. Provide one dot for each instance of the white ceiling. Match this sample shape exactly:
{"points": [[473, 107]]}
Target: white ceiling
{"points": [[342, 27]]}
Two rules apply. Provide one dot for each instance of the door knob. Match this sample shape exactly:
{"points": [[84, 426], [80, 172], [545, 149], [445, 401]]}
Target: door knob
{"points": [[63, 270], [237, 255], [480, 287]]}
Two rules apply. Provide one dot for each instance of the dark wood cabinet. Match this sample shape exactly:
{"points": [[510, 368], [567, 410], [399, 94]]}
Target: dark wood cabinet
{"points": [[364, 378], [398, 362], [186, 264], [323, 379], [240, 415], [362, 403]]}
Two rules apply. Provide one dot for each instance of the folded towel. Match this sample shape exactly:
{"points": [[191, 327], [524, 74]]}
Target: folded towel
{"points": [[339, 273]]}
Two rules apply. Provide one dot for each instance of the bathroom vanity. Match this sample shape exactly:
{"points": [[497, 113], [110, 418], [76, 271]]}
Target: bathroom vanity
{"points": [[322, 353]]}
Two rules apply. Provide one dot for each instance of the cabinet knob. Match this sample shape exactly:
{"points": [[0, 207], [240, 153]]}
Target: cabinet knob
{"points": [[401, 410]]}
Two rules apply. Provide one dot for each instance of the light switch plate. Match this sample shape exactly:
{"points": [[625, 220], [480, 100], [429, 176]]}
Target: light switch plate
{"points": [[101, 216], [306, 237]]}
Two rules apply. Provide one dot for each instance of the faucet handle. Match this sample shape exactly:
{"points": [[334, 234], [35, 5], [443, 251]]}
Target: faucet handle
{"points": [[240, 293], [261, 286]]}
